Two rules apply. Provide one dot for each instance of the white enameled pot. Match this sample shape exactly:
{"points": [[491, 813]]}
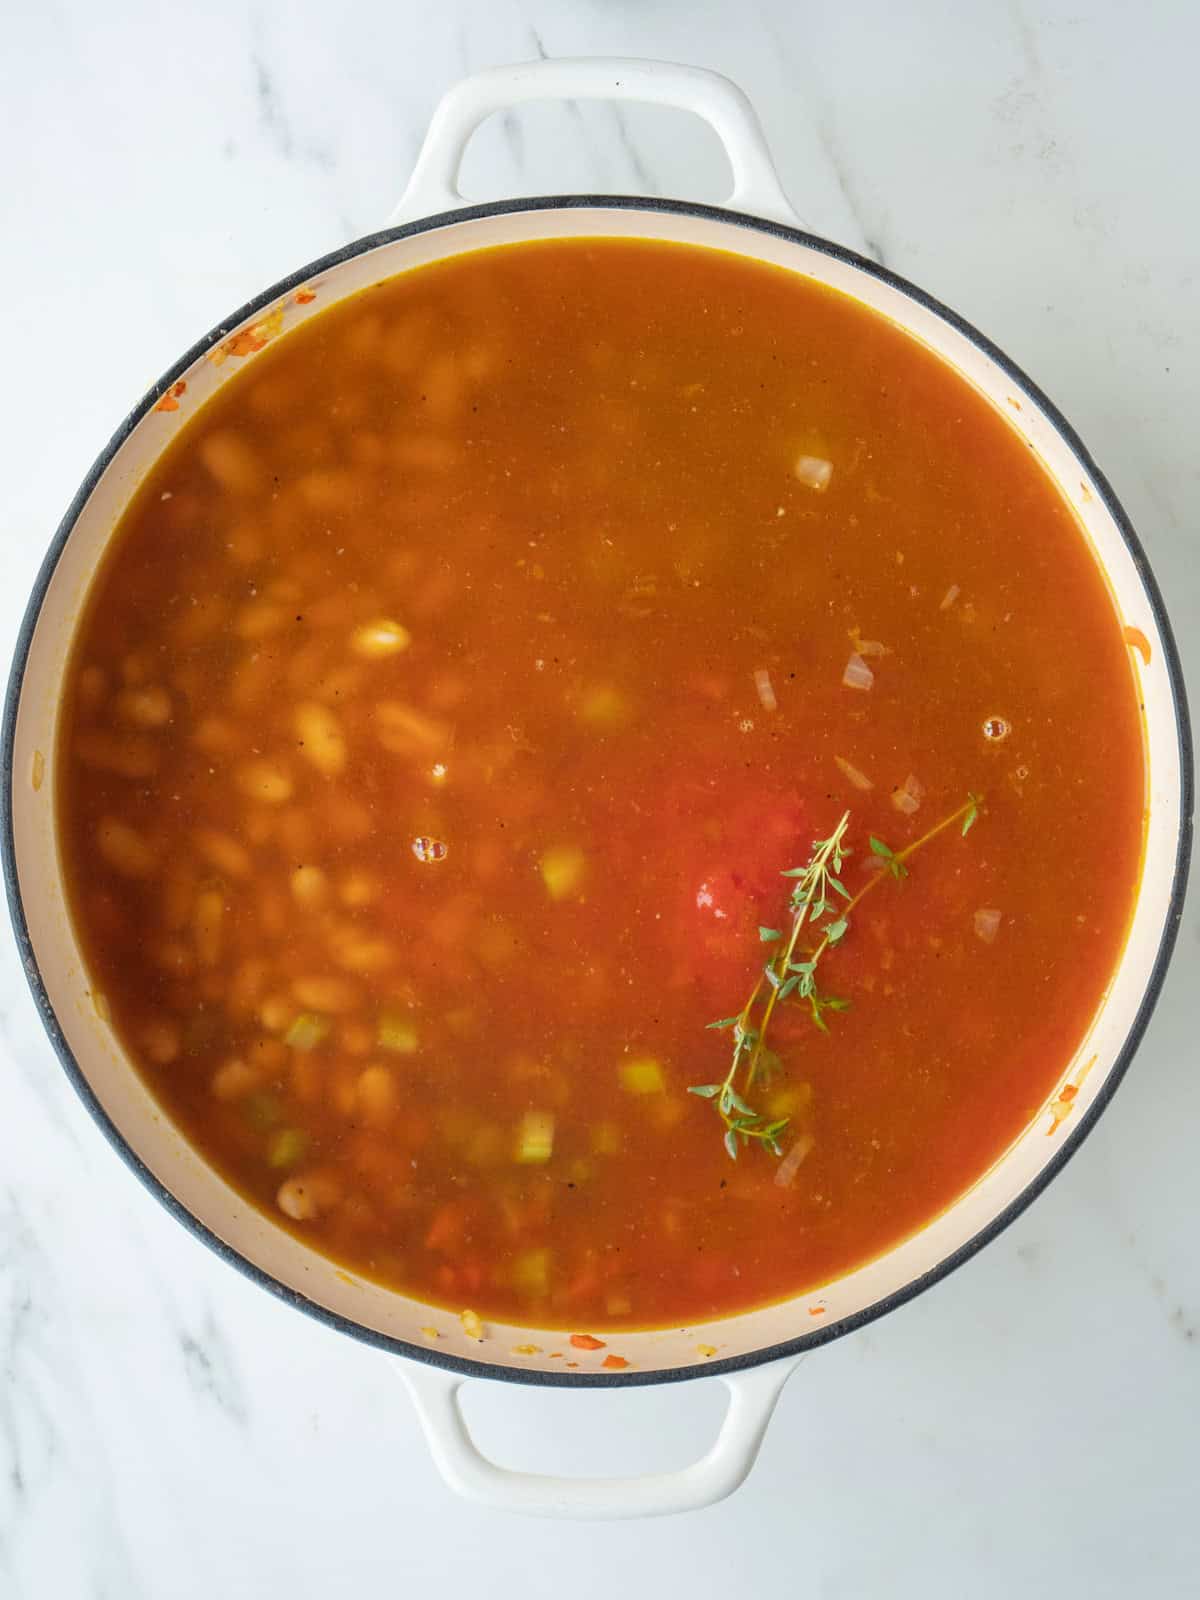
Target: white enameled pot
{"points": [[756, 1351]]}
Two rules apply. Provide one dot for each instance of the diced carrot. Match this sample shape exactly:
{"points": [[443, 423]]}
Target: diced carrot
{"points": [[615, 1363], [446, 1229], [170, 400], [415, 1129], [583, 1286], [585, 1341]]}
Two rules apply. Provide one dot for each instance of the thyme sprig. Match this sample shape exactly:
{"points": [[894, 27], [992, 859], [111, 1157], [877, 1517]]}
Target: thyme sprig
{"points": [[785, 978]]}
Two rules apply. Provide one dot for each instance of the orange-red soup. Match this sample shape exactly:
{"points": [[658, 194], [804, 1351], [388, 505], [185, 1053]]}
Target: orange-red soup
{"points": [[459, 685]]}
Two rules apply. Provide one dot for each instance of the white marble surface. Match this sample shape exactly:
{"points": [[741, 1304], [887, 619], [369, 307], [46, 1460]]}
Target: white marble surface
{"points": [[168, 1430]]}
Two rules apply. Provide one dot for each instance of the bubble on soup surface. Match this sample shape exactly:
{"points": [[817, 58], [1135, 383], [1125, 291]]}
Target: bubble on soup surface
{"points": [[427, 849]]}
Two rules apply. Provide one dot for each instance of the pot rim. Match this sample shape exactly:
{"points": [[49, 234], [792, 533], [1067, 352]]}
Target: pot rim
{"points": [[802, 1343]]}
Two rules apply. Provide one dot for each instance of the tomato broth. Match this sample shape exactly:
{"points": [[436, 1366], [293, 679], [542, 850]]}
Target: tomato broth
{"points": [[459, 687]]}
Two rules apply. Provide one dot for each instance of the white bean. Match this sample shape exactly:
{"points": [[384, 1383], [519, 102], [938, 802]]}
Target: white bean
{"points": [[325, 994], [231, 462], [320, 737], [265, 780], [207, 918], [223, 852], [380, 638], [124, 849], [310, 887], [304, 1198], [148, 706]]}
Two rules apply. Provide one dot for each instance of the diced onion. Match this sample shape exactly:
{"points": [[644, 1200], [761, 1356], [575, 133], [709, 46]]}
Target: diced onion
{"points": [[306, 1031], [535, 1138], [950, 596], [563, 868], [642, 1076], [397, 1033], [785, 1172], [766, 693], [987, 925], [858, 674], [380, 638], [869, 647], [852, 774], [814, 472], [908, 797]]}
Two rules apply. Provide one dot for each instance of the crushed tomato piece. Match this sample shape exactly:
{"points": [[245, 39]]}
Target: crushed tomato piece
{"points": [[170, 400], [250, 340], [585, 1341], [1137, 640]]}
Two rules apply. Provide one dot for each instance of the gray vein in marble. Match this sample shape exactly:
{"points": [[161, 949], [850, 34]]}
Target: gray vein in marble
{"points": [[275, 123], [462, 47], [869, 231], [28, 1435], [575, 112], [1027, 103], [1026, 39], [39, 1070], [1182, 1322], [211, 1370], [537, 43], [641, 171], [1029, 1254], [514, 138]]}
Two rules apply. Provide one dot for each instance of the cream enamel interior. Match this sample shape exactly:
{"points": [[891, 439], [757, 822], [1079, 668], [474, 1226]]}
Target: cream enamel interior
{"points": [[198, 1187]]}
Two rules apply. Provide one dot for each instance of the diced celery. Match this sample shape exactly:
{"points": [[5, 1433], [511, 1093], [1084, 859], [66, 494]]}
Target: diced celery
{"points": [[262, 1110], [307, 1031], [535, 1137], [562, 870], [486, 1146], [398, 1033], [605, 708], [531, 1272], [789, 1099], [287, 1147], [606, 1139], [642, 1075]]}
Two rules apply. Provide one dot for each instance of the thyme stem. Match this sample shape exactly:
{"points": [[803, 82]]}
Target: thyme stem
{"points": [[810, 900]]}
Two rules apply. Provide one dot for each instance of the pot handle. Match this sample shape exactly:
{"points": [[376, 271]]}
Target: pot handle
{"points": [[752, 1397], [433, 187]]}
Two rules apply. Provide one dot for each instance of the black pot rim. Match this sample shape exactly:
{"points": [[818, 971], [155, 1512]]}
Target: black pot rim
{"points": [[630, 1377]]}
